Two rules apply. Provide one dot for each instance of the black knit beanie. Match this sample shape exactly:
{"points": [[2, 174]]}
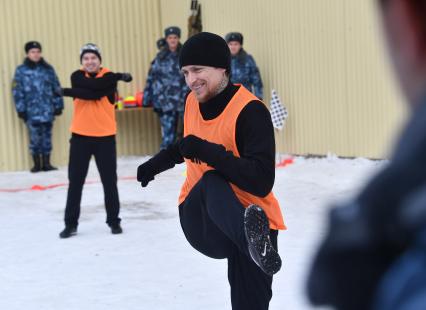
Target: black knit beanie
{"points": [[90, 48], [32, 44], [205, 49]]}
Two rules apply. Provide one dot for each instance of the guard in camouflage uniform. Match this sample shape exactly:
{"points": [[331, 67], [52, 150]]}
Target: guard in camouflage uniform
{"points": [[37, 95], [165, 87], [147, 102], [243, 67]]}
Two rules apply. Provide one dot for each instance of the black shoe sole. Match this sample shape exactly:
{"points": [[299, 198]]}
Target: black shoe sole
{"points": [[256, 226]]}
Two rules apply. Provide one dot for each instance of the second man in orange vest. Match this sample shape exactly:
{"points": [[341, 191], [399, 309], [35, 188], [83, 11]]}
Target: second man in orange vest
{"points": [[93, 130]]}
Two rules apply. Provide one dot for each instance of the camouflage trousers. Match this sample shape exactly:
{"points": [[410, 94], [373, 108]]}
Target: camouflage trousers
{"points": [[168, 122], [40, 137]]}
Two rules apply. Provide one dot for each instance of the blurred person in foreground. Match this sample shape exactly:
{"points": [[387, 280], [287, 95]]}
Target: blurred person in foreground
{"points": [[374, 253]]}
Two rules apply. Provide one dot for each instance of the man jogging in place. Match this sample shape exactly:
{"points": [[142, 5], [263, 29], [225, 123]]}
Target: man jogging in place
{"points": [[226, 206]]}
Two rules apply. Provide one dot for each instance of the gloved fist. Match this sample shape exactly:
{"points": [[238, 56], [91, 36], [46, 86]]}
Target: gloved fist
{"points": [[146, 173], [57, 112], [190, 146], [157, 164], [22, 115], [126, 77]]}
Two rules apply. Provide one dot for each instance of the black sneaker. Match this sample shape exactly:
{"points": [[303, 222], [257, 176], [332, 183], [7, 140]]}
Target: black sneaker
{"points": [[256, 226], [116, 229], [68, 232]]}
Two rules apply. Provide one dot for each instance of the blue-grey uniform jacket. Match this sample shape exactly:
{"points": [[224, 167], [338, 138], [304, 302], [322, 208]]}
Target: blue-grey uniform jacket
{"points": [[36, 91], [244, 71], [165, 86]]}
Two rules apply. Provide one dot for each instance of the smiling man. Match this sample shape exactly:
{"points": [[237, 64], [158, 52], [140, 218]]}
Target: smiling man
{"points": [[93, 130], [226, 206]]}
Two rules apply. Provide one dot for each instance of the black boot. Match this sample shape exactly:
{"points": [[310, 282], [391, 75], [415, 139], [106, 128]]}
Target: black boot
{"points": [[37, 163], [68, 232], [46, 163], [116, 229]]}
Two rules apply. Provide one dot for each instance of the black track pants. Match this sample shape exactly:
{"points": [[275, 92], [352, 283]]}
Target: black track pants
{"points": [[81, 150], [212, 220]]}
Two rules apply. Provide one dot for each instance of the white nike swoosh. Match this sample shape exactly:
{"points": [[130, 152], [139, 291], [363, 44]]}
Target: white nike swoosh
{"points": [[264, 251]]}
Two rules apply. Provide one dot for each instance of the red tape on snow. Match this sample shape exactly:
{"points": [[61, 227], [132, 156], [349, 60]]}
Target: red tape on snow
{"points": [[281, 164], [285, 162], [46, 187]]}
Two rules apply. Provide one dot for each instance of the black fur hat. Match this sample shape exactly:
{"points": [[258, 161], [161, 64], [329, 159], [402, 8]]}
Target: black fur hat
{"points": [[32, 44]]}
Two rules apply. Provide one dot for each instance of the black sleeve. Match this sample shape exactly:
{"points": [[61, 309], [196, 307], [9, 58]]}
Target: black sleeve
{"points": [[87, 94], [108, 81], [254, 171], [174, 153]]}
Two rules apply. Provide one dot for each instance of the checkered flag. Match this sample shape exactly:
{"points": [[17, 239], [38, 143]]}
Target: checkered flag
{"points": [[278, 111]]}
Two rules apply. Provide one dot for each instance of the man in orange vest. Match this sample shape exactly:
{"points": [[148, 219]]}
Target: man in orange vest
{"points": [[93, 130], [226, 206]]}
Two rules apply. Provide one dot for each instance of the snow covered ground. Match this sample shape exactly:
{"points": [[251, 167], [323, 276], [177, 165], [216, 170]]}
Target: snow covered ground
{"points": [[151, 265]]}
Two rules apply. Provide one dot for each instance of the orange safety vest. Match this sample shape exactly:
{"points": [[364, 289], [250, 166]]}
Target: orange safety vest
{"points": [[221, 130], [94, 118]]}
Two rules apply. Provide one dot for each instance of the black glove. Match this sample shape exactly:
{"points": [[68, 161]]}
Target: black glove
{"points": [[57, 112], [23, 115], [66, 92], [157, 164], [196, 149], [125, 77], [158, 111]]}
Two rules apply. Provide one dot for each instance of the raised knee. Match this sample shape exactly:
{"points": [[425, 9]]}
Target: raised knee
{"points": [[210, 175]]}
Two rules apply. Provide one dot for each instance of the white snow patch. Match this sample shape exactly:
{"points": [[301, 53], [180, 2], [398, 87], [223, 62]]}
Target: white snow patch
{"points": [[151, 265]]}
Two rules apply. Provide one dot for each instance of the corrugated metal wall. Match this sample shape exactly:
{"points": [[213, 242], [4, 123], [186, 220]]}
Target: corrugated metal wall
{"points": [[126, 32], [326, 61]]}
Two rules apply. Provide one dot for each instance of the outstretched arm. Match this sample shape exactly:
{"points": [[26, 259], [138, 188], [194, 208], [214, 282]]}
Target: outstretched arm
{"points": [[87, 94], [107, 81]]}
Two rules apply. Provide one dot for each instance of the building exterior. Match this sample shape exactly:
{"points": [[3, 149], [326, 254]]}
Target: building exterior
{"points": [[324, 58]]}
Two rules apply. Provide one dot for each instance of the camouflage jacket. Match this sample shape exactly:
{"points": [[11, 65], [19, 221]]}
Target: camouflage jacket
{"points": [[36, 91], [244, 71], [165, 86]]}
